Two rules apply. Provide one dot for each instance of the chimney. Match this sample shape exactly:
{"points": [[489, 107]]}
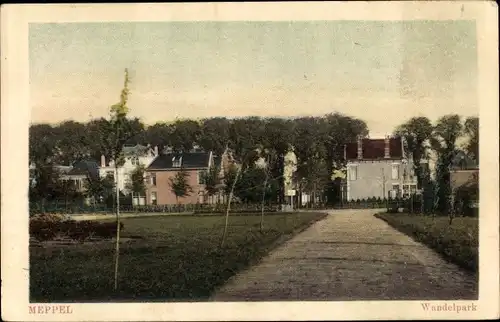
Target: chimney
{"points": [[387, 148], [156, 150], [360, 147], [103, 161]]}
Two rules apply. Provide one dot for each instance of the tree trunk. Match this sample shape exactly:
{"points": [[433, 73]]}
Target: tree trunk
{"points": [[229, 206], [262, 207], [117, 250]]}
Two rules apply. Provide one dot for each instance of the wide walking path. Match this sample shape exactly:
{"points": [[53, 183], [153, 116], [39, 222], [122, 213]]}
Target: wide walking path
{"points": [[350, 255]]}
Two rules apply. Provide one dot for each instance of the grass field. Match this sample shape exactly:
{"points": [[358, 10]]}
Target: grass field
{"points": [[167, 258], [458, 242]]}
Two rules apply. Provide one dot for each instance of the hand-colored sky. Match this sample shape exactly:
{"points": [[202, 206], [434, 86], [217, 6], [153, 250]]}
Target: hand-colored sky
{"points": [[383, 72]]}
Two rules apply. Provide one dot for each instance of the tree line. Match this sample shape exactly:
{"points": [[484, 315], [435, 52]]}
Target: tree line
{"points": [[317, 141], [422, 138]]}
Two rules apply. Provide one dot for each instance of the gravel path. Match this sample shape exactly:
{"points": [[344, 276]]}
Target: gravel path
{"points": [[350, 255]]}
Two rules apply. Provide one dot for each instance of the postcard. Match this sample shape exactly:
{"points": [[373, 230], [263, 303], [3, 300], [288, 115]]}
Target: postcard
{"points": [[250, 161]]}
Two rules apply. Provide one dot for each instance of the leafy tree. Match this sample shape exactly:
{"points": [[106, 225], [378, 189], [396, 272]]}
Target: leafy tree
{"points": [[416, 132], [46, 186], [278, 140], [312, 169], [184, 135], [214, 134], [43, 144], [158, 135], [250, 187], [113, 134], [73, 142], [471, 130], [212, 180], [179, 185], [100, 188], [67, 191], [340, 130], [136, 183], [445, 135], [244, 138]]}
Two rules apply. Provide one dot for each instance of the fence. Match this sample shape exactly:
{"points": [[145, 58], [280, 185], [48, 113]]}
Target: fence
{"points": [[180, 208], [391, 205]]}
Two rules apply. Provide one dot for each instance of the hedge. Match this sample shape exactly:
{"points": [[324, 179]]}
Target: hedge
{"points": [[44, 229]]}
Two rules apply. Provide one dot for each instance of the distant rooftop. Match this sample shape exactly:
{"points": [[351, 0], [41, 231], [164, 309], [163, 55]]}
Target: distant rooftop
{"points": [[175, 161], [374, 149]]}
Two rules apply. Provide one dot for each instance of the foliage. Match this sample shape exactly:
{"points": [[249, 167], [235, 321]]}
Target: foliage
{"points": [[212, 180], [47, 183], [100, 188], [471, 130], [445, 135], [250, 186], [136, 183], [45, 228], [416, 132], [466, 196], [459, 243], [184, 135], [316, 140], [179, 184], [214, 134]]}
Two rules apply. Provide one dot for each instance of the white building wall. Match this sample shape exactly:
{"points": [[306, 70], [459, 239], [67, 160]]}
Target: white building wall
{"points": [[125, 171], [375, 179]]}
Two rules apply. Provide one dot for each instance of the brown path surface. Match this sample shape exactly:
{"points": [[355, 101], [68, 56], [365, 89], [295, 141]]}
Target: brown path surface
{"points": [[350, 255]]}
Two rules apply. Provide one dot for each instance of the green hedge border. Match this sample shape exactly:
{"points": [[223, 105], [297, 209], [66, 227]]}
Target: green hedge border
{"points": [[453, 251]]}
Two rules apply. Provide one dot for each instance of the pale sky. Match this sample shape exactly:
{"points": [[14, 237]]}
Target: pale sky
{"points": [[383, 72]]}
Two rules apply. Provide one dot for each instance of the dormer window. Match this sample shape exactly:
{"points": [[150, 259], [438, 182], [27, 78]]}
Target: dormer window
{"points": [[176, 162]]}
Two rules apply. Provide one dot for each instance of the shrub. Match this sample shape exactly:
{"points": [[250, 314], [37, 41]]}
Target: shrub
{"points": [[46, 228], [459, 243]]}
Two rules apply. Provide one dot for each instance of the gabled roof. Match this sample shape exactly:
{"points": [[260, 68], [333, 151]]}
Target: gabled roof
{"points": [[90, 168], [374, 149], [190, 160]]}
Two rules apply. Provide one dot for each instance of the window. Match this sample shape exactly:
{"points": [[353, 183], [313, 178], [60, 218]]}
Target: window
{"points": [[176, 162], [395, 172], [201, 177], [153, 179], [353, 173], [153, 198]]}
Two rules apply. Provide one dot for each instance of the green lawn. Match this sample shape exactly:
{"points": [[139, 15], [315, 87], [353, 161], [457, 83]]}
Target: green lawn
{"points": [[171, 258], [457, 242]]}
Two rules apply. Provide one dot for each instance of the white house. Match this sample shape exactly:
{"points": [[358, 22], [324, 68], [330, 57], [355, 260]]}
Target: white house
{"points": [[379, 168], [134, 156]]}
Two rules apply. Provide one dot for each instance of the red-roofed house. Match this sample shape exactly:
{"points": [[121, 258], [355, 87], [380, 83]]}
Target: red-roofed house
{"points": [[378, 168]]}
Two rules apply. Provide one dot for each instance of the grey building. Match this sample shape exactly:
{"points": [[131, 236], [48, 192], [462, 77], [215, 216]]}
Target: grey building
{"points": [[378, 168]]}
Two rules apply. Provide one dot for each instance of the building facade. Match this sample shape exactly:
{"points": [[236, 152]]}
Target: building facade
{"points": [[134, 156], [165, 167], [378, 168]]}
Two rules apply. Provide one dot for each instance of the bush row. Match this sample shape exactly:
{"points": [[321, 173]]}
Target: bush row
{"points": [[457, 244], [44, 230]]}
